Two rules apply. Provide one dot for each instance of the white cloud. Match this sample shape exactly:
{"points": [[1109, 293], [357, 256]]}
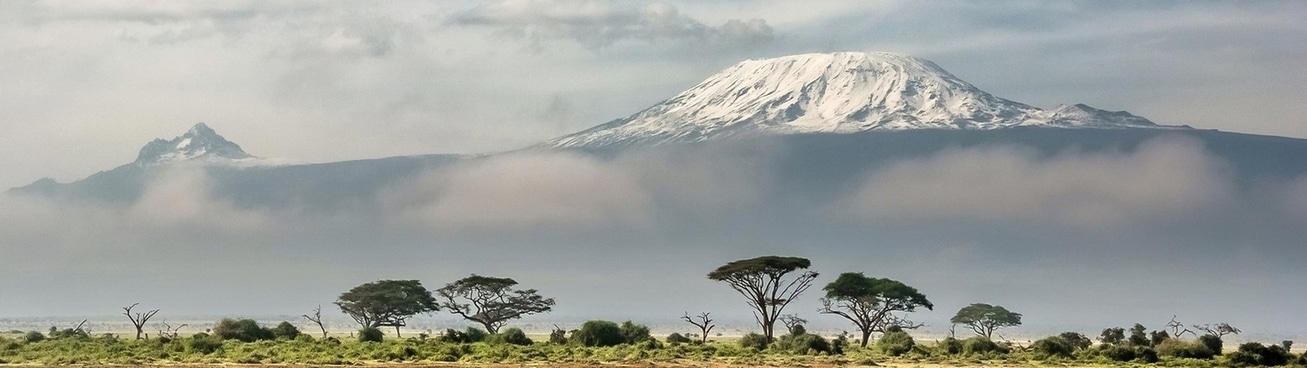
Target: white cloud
{"points": [[523, 192], [1166, 176], [601, 23]]}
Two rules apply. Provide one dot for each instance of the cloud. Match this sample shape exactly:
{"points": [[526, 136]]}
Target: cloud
{"points": [[601, 23], [523, 192], [1166, 176]]}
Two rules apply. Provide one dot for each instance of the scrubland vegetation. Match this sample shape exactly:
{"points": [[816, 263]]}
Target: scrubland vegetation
{"points": [[875, 307]]}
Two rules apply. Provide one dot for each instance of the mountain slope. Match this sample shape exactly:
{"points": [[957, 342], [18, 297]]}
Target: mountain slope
{"points": [[833, 93]]}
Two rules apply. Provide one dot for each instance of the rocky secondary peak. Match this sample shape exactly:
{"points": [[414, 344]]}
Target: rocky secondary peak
{"points": [[200, 142]]}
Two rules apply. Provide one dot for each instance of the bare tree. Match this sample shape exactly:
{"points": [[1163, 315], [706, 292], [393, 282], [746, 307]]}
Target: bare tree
{"points": [[1218, 329], [702, 322], [317, 318], [139, 319], [792, 322], [170, 332], [1178, 329]]}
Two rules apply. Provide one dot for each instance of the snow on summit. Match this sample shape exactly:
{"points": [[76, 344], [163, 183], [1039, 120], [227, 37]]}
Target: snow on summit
{"points": [[201, 142], [842, 92]]}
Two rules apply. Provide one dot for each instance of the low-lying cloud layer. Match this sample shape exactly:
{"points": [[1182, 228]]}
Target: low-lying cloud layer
{"points": [[631, 235], [1167, 177], [598, 23]]}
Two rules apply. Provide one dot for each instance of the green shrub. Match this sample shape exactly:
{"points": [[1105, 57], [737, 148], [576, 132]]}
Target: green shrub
{"points": [[371, 334], [1077, 340], [1145, 354], [1212, 342], [1177, 348], [512, 336], [633, 333], [557, 336], [949, 346], [677, 338], [285, 330], [1052, 346], [895, 343], [1257, 354], [246, 330], [598, 333], [754, 340], [805, 343], [1116, 352], [980, 345], [202, 343], [33, 336]]}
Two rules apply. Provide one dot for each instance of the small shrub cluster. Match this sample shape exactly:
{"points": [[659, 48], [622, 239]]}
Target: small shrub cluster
{"points": [[371, 334], [244, 330], [1256, 354], [607, 333], [512, 336], [895, 343]]}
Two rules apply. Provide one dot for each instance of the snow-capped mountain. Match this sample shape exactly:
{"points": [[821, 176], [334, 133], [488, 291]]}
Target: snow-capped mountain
{"points": [[841, 92], [199, 143]]}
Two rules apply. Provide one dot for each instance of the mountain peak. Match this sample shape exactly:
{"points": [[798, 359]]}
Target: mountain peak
{"points": [[842, 92], [200, 142]]}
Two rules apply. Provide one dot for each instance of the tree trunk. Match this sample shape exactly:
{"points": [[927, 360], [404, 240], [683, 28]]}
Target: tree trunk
{"points": [[490, 327], [866, 336], [138, 332], [397, 331]]}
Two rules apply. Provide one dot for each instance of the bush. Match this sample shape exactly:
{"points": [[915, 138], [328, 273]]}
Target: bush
{"points": [[1146, 354], [1257, 354], [512, 336], [633, 333], [677, 338], [285, 330], [980, 345], [1212, 342], [202, 343], [557, 336], [598, 333], [1116, 352], [805, 343], [371, 334], [246, 330], [754, 340], [1052, 346], [950, 346], [895, 343], [1177, 348], [33, 336], [1077, 340]]}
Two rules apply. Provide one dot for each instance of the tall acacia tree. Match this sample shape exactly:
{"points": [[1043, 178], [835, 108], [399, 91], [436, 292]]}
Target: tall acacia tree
{"points": [[870, 302], [491, 301], [386, 303], [764, 283], [984, 318]]}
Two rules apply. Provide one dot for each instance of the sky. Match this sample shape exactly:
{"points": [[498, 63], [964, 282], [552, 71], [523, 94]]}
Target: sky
{"points": [[1167, 228], [88, 84]]}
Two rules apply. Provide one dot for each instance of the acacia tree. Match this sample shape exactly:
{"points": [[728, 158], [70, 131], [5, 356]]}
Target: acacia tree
{"points": [[139, 318], [870, 303], [984, 318], [386, 303], [763, 283], [491, 301]]}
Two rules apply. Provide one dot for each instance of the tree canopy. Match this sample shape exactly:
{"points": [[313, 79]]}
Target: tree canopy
{"points": [[870, 303], [763, 282], [984, 318], [491, 301], [386, 303]]}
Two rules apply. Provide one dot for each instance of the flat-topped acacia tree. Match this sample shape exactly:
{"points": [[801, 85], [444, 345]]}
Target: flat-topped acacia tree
{"points": [[870, 303], [764, 284], [386, 303], [984, 319], [491, 301]]}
